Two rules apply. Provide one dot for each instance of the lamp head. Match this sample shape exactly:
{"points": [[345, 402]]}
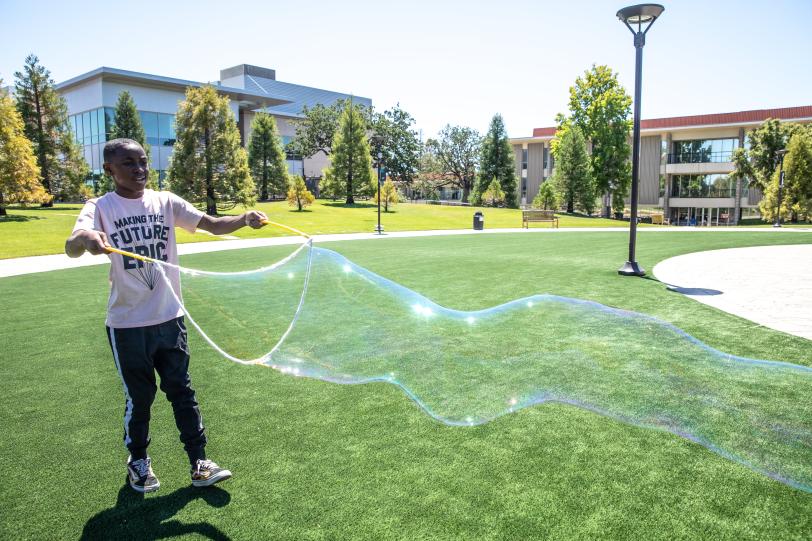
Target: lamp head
{"points": [[639, 15]]}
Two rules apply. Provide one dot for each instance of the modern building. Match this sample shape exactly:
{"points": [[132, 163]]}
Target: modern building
{"points": [[685, 164], [91, 100]]}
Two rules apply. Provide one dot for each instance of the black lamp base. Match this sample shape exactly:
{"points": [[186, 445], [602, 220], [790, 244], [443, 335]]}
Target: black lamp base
{"points": [[631, 268]]}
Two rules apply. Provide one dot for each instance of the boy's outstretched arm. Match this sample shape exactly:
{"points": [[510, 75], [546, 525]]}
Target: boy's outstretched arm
{"points": [[223, 225], [88, 240]]}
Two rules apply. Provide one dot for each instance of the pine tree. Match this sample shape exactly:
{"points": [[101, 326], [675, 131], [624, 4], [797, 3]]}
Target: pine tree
{"points": [[208, 165], [350, 163], [45, 118], [572, 178], [128, 125], [494, 196], [389, 195], [19, 172], [545, 199], [497, 162], [298, 194], [266, 157]]}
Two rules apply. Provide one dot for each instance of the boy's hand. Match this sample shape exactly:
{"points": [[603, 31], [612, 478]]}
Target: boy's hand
{"points": [[255, 219], [85, 240], [94, 242]]}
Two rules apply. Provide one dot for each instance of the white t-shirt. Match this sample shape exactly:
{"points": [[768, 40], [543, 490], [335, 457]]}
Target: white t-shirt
{"points": [[145, 226]]}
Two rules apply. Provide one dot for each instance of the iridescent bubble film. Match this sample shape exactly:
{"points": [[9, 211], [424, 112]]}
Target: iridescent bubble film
{"points": [[319, 315]]}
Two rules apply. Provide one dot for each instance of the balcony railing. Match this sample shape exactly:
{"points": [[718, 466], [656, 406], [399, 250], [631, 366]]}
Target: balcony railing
{"points": [[701, 156], [708, 192]]}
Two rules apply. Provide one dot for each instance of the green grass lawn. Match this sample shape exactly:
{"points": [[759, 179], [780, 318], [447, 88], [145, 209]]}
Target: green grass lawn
{"points": [[315, 460], [38, 231]]}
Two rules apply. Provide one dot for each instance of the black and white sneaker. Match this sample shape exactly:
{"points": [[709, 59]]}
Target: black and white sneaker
{"points": [[206, 473], [140, 475]]}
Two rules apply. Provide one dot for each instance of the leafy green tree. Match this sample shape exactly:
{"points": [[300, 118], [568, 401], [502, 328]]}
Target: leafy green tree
{"points": [[796, 196], [266, 156], [572, 178], [45, 118], [758, 163], [316, 130], [128, 125], [298, 194], [545, 199], [209, 166], [389, 195], [496, 162], [350, 163], [493, 195], [19, 172], [456, 151], [600, 107], [399, 144]]}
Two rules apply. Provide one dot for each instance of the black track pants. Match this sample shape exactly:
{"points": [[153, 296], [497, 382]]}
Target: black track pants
{"points": [[139, 353]]}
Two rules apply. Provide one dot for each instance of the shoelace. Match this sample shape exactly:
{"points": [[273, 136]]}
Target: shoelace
{"points": [[204, 463], [141, 466]]}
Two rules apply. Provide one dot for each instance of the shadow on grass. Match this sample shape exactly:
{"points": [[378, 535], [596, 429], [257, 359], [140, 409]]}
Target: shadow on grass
{"points": [[297, 210], [18, 218], [137, 517], [60, 208], [338, 204]]}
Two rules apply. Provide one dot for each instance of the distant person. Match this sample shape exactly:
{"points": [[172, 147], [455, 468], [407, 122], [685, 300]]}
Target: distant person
{"points": [[145, 325]]}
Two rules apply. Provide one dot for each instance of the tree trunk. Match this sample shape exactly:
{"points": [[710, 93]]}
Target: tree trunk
{"points": [[43, 159], [264, 194], [211, 202]]}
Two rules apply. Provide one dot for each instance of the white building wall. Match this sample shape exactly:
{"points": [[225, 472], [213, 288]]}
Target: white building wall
{"points": [[146, 99], [84, 97]]}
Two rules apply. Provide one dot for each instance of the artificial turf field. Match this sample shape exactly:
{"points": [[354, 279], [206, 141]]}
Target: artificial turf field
{"points": [[315, 460]]}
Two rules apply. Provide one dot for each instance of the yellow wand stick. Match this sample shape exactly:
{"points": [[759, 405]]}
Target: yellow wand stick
{"points": [[283, 226], [111, 250]]}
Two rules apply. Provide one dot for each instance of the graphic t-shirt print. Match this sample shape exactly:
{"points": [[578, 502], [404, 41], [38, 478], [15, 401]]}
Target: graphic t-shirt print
{"points": [[144, 235]]}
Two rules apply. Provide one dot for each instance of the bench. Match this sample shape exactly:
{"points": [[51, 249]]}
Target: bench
{"points": [[538, 216]]}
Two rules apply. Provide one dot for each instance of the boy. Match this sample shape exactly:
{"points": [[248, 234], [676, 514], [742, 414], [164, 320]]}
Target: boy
{"points": [[145, 324]]}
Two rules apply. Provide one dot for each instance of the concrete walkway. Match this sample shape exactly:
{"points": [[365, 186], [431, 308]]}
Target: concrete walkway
{"points": [[769, 285], [45, 263]]}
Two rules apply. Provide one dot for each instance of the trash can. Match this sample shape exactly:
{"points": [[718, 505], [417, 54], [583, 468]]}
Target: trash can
{"points": [[479, 221]]}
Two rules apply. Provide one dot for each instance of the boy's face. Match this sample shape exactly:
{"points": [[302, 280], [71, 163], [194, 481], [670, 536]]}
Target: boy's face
{"points": [[129, 169]]}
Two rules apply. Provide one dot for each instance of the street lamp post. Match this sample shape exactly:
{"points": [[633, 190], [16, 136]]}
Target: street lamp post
{"points": [[781, 154], [642, 15]]}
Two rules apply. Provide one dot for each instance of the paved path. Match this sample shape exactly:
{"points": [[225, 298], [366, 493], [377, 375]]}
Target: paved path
{"points": [[770, 285], [45, 263]]}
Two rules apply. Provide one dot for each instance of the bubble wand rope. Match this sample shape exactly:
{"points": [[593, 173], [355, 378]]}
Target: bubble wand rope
{"points": [[267, 356]]}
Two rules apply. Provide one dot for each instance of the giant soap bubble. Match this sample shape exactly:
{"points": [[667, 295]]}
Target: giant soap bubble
{"points": [[317, 314]]}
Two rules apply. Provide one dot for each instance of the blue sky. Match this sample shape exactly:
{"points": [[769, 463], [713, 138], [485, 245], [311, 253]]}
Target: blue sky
{"points": [[443, 61]]}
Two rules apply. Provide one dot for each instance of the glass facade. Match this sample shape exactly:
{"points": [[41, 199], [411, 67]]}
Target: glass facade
{"points": [[159, 128], [703, 151], [294, 161], [715, 185], [524, 173], [93, 128]]}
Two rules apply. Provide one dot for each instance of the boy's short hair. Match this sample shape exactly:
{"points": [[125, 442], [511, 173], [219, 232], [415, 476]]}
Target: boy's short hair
{"points": [[111, 147]]}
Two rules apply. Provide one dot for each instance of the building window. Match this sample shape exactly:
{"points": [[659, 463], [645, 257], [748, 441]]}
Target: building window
{"points": [[295, 167], [545, 158], [703, 150], [716, 185]]}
